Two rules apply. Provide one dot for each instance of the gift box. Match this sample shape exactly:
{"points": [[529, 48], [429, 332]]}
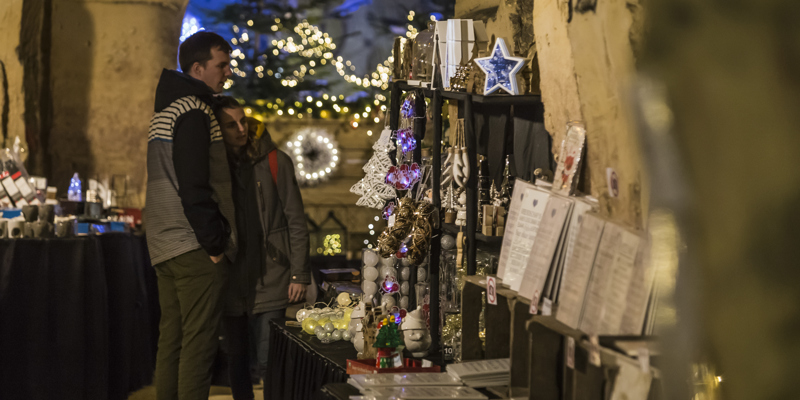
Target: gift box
{"points": [[462, 40], [367, 366]]}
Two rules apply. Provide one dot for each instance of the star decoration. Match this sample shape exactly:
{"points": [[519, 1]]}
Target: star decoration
{"points": [[501, 69]]}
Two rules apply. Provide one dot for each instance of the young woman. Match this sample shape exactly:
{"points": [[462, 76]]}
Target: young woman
{"points": [[271, 269]]}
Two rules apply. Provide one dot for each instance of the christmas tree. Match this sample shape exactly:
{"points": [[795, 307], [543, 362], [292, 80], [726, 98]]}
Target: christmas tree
{"points": [[388, 336], [284, 64]]}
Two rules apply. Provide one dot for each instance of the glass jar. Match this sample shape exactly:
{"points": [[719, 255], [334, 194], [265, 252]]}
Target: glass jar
{"points": [[422, 68]]}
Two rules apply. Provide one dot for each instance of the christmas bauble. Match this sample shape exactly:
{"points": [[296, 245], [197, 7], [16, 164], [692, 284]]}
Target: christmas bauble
{"points": [[422, 274], [405, 273], [370, 288], [388, 301], [370, 274], [404, 302], [448, 242], [309, 325], [371, 259]]}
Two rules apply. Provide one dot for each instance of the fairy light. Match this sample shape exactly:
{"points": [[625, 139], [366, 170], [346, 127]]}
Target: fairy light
{"points": [[318, 46]]}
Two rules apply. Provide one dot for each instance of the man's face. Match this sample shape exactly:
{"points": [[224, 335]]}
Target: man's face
{"points": [[234, 127], [215, 71]]}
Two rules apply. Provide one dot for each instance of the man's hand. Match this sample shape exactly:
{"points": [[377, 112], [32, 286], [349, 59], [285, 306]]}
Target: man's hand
{"points": [[217, 259], [297, 292]]}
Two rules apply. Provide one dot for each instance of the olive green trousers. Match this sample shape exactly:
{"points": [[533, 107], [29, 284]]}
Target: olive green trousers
{"points": [[190, 290]]}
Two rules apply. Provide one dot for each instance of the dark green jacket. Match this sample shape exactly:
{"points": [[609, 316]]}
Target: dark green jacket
{"points": [[284, 247]]}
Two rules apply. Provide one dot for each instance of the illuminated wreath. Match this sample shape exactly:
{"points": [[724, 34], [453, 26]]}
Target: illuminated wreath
{"points": [[315, 155]]}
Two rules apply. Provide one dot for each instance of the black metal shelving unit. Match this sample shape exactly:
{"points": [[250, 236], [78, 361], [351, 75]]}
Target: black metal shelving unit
{"points": [[466, 101]]}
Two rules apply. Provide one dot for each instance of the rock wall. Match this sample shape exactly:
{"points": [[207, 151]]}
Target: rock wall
{"points": [[12, 98], [105, 62], [587, 65]]}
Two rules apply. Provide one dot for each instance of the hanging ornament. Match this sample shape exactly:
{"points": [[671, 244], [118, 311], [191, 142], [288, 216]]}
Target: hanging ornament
{"points": [[501, 69], [384, 142], [403, 177], [407, 109], [390, 285], [388, 210], [406, 140]]}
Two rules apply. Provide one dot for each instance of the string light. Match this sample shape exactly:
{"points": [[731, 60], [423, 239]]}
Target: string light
{"points": [[318, 47]]}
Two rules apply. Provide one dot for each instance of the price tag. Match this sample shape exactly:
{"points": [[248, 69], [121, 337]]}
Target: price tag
{"points": [[644, 359], [491, 290], [427, 363], [547, 306], [570, 353], [391, 220], [594, 350]]}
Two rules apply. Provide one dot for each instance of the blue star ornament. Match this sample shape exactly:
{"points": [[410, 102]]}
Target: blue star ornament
{"points": [[501, 69]]}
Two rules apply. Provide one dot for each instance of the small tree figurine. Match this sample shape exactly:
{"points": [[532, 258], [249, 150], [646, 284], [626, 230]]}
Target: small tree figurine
{"points": [[387, 342]]}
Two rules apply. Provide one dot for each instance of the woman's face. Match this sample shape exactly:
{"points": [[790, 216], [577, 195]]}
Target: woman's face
{"points": [[234, 127]]}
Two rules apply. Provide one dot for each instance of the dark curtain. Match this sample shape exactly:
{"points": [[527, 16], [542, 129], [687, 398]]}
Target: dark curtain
{"points": [[78, 317], [298, 369]]}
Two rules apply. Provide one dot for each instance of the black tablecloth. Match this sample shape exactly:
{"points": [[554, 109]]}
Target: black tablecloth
{"points": [[78, 317], [299, 364]]}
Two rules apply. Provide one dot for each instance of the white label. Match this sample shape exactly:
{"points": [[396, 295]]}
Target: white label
{"points": [[23, 187], [427, 363], [491, 291], [21, 202], [11, 188], [570, 353], [547, 306], [644, 359], [391, 220]]}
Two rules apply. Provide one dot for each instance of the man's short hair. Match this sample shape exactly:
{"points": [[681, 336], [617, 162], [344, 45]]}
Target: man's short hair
{"points": [[197, 48], [227, 102]]}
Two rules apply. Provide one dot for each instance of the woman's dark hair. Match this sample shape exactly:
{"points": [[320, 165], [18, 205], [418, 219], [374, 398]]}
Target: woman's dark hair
{"points": [[227, 102], [197, 49]]}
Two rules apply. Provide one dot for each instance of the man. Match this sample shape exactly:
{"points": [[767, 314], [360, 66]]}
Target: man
{"points": [[189, 216], [272, 267]]}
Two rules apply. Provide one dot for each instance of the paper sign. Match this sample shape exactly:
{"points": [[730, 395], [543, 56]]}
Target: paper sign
{"points": [[547, 306], [525, 214], [570, 353], [540, 255], [491, 291]]}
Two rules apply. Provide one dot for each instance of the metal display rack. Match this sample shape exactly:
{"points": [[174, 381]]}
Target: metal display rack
{"points": [[466, 101]]}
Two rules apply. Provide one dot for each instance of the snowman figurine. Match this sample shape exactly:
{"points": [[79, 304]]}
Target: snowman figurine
{"points": [[415, 333]]}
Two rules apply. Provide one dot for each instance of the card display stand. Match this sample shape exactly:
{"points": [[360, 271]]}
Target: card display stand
{"points": [[537, 346]]}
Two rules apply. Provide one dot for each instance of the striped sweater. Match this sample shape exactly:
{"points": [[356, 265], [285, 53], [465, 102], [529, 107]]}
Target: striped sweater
{"points": [[188, 203]]}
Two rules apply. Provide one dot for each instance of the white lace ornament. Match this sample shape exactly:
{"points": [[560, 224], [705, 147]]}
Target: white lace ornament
{"points": [[384, 143]]}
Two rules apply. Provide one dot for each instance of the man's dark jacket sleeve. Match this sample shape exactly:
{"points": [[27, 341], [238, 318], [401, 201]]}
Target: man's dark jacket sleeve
{"points": [[190, 157]]}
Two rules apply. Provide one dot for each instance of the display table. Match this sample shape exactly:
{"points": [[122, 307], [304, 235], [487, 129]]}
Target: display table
{"points": [[78, 317], [299, 364]]}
